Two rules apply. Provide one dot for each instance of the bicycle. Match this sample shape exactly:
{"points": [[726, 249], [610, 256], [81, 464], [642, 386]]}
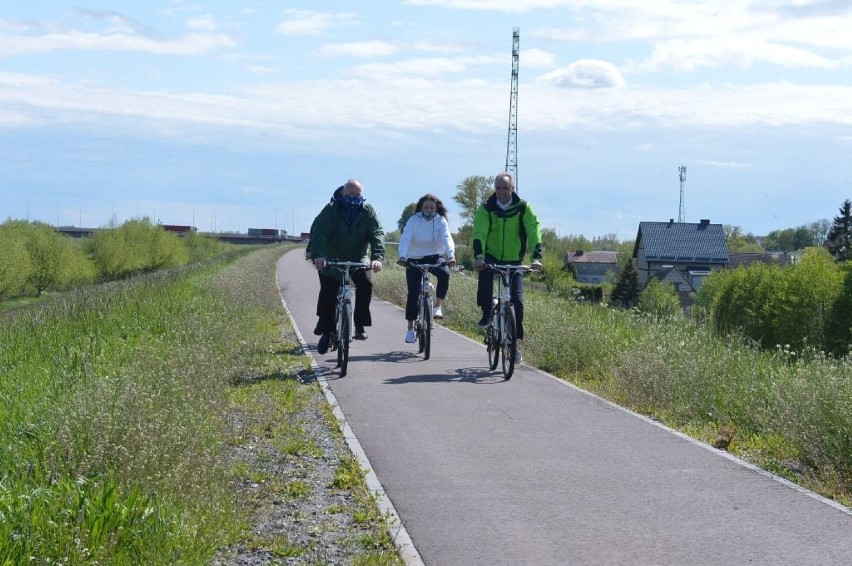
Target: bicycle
{"points": [[341, 336], [501, 339], [423, 323]]}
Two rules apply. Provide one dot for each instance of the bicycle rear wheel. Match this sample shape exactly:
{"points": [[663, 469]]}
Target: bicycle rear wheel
{"points": [[492, 339], [510, 341], [426, 327], [343, 335]]}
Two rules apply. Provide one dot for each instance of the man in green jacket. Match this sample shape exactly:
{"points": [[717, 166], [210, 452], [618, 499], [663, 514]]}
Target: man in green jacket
{"points": [[505, 228], [343, 231]]}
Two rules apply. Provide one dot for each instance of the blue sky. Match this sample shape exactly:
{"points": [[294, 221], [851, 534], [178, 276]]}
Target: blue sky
{"points": [[236, 115]]}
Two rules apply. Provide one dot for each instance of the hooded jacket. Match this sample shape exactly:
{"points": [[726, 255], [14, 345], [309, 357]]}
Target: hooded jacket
{"points": [[506, 235], [422, 237], [334, 236]]}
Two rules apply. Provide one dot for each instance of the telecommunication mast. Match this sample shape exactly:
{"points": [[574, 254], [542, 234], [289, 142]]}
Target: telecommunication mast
{"points": [[512, 145]]}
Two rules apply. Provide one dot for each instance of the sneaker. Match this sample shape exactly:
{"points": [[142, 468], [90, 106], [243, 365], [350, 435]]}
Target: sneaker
{"points": [[322, 345], [360, 334], [410, 337], [437, 313], [518, 358], [317, 330], [483, 322]]}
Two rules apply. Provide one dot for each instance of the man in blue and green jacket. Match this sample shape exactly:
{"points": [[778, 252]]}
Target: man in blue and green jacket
{"points": [[505, 228], [343, 231]]}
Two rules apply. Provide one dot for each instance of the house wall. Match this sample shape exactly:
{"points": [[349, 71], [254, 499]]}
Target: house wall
{"points": [[595, 272]]}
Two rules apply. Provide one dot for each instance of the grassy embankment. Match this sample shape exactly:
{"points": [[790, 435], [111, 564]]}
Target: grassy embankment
{"points": [[788, 412], [116, 410]]}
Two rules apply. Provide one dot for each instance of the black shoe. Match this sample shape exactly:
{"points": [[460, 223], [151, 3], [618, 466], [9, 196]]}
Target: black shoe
{"points": [[483, 322], [322, 345], [317, 330], [359, 333]]}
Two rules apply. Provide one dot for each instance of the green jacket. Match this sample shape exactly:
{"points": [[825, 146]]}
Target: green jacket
{"points": [[333, 237], [506, 235]]}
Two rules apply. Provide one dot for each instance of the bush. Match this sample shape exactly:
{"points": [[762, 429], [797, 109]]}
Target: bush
{"points": [[15, 263], [660, 300], [137, 246]]}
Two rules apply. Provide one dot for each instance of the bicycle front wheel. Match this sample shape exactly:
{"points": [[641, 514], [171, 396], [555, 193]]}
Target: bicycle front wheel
{"points": [[492, 339], [344, 333], [510, 341], [426, 327]]}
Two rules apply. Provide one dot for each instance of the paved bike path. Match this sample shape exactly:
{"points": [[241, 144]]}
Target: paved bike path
{"points": [[533, 471]]}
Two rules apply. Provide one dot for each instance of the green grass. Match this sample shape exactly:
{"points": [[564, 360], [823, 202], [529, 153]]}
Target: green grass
{"points": [[788, 412], [114, 408]]}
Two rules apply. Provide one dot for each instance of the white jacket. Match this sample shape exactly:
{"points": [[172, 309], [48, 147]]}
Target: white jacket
{"points": [[422, 237]]}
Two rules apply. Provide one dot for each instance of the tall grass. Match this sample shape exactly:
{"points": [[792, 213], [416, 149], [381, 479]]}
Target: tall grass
{"points": [[790, 411], [111, 416]]}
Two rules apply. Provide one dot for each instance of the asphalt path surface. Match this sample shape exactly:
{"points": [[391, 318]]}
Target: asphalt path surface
{"points": [[534, 471]]}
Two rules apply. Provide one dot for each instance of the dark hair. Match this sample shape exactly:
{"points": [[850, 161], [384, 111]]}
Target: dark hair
{"points": [[439, 206]]}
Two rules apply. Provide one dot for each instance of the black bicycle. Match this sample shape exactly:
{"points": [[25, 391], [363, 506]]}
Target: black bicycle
{"points": [[342, 334], [501, 334], [423, 323]]}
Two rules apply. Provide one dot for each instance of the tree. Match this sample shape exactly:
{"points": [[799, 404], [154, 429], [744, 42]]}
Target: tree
{"points": [[626, 290], [839, 239], [470, 193], [737, 241], [407, 213]]}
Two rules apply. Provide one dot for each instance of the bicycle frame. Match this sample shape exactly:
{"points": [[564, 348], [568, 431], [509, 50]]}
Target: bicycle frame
{"points": [[423, 323], [342, 335], [501, 332]]}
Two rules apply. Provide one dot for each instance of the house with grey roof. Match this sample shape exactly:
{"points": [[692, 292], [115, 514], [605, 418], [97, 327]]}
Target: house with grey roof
{"points": [[593, 267], [693, 249]]}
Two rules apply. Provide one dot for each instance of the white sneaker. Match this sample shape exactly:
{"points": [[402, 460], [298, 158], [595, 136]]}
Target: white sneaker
{"points": [[410, 337], [437, 313]]}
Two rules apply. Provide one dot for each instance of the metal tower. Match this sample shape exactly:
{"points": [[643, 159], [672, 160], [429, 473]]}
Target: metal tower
{"points": [[512, 145], [681, 214]]}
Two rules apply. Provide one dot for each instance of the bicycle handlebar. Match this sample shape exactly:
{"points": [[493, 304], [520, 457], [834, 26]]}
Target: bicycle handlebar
{"points": [[341, 265], [507, 268], [425, 266]]}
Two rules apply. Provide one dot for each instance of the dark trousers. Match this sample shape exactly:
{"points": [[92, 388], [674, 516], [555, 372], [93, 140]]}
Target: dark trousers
{"points": [[413, 276], [327, 300], [485, 291]]}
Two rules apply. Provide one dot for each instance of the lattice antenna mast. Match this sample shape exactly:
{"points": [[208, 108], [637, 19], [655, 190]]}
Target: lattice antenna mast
{"points": [[681, 214], [512, 145]]}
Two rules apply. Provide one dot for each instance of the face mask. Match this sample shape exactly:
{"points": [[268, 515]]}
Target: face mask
{"points": [[353, 201], [428, 215]]}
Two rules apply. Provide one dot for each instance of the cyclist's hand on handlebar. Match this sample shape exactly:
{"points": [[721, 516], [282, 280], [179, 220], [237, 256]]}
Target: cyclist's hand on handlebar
{"points": [[319, 262], [402, 261], [376, 265], [451, 262], [478, 263], [536, 266]]}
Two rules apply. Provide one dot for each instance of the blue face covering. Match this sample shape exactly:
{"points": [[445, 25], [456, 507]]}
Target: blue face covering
{"points": [[427, 215], [353, 201]]}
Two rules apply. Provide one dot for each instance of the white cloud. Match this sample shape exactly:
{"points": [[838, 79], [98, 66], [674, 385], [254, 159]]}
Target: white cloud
{"points": [[260, 69], [537, 58], [724, 164], [493, 5], [190, 44], [207, 22], [313, 24], [585, 73], [363, 49]]}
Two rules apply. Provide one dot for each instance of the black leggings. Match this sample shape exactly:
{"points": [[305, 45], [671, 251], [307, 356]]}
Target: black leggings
{"points": [[413, 277]]}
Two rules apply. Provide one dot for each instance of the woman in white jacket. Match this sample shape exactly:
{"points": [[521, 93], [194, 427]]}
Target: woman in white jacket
{"points": [[426, 238]]}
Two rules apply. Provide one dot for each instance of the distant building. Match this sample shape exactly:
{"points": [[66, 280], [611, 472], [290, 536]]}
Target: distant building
{"points": [[693, 249], [593, 267], [742, 259]]}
